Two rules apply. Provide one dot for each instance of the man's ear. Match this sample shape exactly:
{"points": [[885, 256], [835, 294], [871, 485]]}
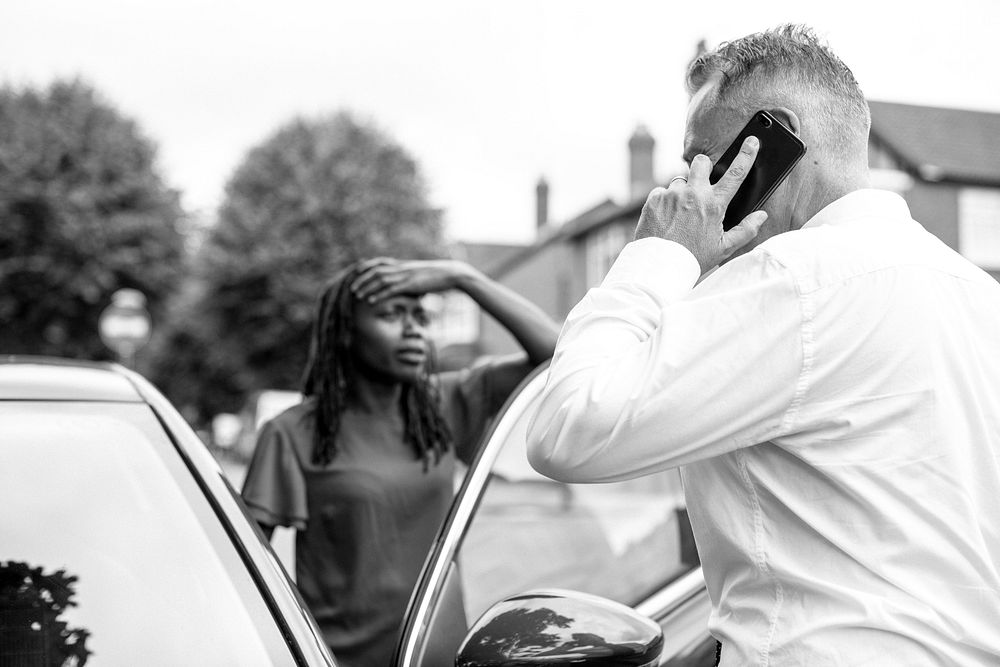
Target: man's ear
{"points": [[787, 118]]}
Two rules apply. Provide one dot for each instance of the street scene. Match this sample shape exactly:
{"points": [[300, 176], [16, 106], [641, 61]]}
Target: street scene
{"points": [[410, 335]]}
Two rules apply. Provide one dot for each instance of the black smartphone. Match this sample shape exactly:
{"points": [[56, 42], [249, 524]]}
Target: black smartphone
{"points": [[779, 151]]}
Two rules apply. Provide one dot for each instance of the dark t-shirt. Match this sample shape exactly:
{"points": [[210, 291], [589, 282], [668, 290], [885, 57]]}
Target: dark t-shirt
{"points": [[366, 521]]}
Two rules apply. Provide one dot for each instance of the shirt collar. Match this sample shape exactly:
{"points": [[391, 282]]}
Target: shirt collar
{"points": [[860, 204]]}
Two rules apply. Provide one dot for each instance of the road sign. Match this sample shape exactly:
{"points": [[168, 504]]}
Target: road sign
{"points": [[125, 325]]}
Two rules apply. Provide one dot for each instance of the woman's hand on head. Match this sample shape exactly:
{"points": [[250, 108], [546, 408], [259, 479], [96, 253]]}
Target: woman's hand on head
{"points": [[384, 277]]}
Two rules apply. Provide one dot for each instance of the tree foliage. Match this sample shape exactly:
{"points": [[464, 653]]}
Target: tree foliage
{"points": [[83, 213], [313, 197]]}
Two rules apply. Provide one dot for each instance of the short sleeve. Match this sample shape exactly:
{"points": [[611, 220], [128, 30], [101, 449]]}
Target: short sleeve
{"points": [[274, 489], [472, 396]]}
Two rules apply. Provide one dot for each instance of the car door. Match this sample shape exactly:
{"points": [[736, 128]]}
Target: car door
{"points": [[513, 530]]}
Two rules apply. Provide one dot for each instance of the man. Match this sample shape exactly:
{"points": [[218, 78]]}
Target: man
{"points": [[832, 391]]}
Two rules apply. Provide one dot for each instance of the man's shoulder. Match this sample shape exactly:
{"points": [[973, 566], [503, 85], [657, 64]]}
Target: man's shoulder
{"points": [[815, 257], [830, 254], [807, 259]]}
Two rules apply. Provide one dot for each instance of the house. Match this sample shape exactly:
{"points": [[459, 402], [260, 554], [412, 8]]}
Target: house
{"points": [[456, 322], [944, 162], [949, 160]]}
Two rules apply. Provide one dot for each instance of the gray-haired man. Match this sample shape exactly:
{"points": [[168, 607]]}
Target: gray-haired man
{"points": [[831, 392]]}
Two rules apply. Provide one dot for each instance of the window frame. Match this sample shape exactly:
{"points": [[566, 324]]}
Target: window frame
{"points": [[976, 225]]}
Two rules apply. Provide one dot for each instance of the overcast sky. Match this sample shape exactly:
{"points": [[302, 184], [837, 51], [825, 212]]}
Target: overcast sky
{"points": [[487, 96]]}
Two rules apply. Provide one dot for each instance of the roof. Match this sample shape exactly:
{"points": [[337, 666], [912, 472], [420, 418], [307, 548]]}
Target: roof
{"points": [[44, 378], [941, 143], [594, 216]]}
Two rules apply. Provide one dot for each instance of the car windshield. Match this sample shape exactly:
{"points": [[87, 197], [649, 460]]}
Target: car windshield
{"points": [[110, 551]]}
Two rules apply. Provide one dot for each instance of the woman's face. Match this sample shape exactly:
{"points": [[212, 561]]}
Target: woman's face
{"points": [[390, 338]]}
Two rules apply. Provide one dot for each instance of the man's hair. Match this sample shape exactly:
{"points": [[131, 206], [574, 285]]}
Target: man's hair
{"points": [[330, 372], [785, 66]]}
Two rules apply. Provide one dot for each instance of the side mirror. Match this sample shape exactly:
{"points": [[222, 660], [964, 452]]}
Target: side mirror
{"points": [[554, 627]]}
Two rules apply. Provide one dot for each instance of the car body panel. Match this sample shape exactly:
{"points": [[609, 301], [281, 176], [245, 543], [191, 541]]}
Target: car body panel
{"points": [[44, 378]]}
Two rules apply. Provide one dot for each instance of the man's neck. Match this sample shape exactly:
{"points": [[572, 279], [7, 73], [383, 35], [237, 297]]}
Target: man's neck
{"points": [[829, 186]]}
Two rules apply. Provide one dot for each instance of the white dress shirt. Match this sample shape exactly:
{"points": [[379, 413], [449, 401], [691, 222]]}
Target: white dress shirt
{"points": [[834, 399]]}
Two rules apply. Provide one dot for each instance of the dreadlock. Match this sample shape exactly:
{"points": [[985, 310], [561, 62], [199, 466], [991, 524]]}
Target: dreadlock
{"points": [[330, 370]]}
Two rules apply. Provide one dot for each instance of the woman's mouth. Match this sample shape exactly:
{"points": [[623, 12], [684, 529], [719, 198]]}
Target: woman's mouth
{"points": [[412, 355]]}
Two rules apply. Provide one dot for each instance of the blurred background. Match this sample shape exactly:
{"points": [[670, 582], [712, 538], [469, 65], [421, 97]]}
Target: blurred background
{"points": [[219, 161]]}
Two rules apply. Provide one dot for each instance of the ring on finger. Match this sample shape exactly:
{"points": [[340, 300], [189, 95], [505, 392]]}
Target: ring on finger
{"points": [[677, 178]]}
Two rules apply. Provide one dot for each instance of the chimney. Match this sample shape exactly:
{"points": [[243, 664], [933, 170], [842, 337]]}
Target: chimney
{"points": [[640, 150], [541, 203]]}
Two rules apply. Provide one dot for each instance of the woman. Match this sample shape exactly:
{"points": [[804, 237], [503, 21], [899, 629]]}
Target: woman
{"points": [[364, 467]]}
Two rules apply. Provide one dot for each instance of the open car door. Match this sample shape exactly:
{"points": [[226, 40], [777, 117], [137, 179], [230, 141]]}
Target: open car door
{"points": [[512, 531]]}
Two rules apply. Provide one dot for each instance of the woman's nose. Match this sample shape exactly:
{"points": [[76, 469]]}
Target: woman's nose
{"points": [[412, 326]]}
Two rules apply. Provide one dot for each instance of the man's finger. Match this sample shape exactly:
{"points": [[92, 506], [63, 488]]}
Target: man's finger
{"points": [[738, 170], [701, 168], [743, 233]]}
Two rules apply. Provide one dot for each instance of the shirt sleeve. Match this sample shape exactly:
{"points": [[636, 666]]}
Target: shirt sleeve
{"points": [[274, 489], [472, 396], [651, 372]]}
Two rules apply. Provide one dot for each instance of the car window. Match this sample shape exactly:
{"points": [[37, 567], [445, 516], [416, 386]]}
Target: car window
{"points": [[621, 541], [110, 547]]}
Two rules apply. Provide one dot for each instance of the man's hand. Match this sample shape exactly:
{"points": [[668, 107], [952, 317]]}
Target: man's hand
{"points": [[690, 212]]}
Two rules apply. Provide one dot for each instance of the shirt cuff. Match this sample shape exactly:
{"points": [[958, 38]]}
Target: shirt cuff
{"points": [[665, 267]]}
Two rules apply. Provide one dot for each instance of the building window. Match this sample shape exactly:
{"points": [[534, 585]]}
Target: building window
{"points": [[603, 246], [979, 226]]}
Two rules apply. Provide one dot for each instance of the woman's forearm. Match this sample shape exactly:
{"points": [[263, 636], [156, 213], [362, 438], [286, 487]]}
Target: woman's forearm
{"points": [[535, 331]]}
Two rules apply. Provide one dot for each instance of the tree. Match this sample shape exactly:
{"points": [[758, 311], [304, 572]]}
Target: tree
{"points": [[315, 196], [83, 213]]}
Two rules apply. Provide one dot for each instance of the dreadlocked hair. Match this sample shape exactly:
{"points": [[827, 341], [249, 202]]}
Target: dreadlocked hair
{"points": [[330, 370]]}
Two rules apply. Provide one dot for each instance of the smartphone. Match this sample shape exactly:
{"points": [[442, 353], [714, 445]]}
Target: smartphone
{"points": [[779, 151]]}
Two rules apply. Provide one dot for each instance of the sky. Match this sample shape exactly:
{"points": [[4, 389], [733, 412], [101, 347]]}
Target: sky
{"points": [[487, 96]]}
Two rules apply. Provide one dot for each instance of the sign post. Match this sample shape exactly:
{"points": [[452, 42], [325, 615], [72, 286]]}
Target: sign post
{"points": [[125, 325]]}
